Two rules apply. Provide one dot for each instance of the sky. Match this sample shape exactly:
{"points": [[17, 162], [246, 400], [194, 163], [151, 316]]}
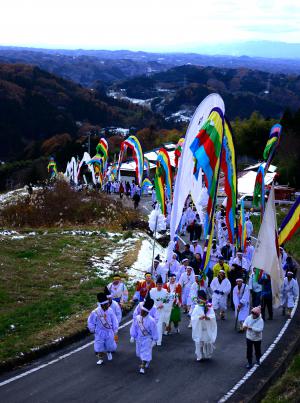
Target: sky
{"points": [[146, 25]]}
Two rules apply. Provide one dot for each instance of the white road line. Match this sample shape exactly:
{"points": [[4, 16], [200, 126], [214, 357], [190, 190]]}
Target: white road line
{"points": [[264, 356], [62, 357]]}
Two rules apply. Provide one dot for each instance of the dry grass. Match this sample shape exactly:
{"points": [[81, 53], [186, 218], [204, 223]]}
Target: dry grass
{"points": [[61, 206]]}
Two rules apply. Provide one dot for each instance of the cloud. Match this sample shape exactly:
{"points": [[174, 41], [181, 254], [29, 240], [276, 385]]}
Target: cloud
{"points": [[137, 24]]}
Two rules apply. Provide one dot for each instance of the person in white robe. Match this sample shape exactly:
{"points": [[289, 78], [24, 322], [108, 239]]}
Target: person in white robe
{"points": [[241, 300], [102, 322], [144, 332], [249, 252], [283, 255], [289, 293], [162, 270], [174, 265], [215, 252], [241, 261], [157, 266], [204, 327], [162, 303], [182, 268], [153, 312], [118, 290], [196, 248], [249, 227], [113, 305], [223, 235], [221, 288], [201, 283], [186, 280]]}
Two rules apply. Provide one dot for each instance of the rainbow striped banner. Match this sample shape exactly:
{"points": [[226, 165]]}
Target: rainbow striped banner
{"points": [[146, 183], [207, 151], [102, 148], [164, 160], [134, 145], [228, 166], [272, 144], [290, 224], [52, 168], [242, 233], [178, 150], [159, 184]]}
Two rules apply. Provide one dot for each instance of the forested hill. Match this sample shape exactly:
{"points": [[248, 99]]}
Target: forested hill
{"points": [[243, 90], [36, 105]]}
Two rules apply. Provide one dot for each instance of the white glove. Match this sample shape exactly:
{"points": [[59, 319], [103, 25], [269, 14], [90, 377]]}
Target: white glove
{"points": [[131, 340], [153, 343]]}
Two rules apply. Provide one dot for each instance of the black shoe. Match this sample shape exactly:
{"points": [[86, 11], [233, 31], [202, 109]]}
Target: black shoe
{"points": [[271, 318], [248, 366], [257, 362]]}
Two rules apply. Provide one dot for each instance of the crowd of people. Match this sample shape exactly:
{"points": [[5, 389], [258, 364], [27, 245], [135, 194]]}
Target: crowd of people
{"points": [[179, 286]]}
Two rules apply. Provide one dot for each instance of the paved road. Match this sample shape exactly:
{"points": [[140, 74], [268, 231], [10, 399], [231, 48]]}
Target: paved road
{"points": [[174, 374]]}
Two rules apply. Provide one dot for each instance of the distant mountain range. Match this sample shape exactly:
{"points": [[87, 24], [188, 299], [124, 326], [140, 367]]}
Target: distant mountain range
{"points": [[88, 67], [177, 91]]}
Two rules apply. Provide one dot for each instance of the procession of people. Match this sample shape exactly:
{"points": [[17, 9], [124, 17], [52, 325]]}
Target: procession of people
{"points": [[179, 287]]}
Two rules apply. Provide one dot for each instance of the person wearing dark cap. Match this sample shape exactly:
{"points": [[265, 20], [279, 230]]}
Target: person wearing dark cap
{"points": [[103, 323], [144, 331], [226, 252], [153, 311], [161, 302], [204, 327]]}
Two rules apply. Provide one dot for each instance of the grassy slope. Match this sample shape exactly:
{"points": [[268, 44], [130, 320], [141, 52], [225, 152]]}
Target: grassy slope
{"points": [[48, 287]]}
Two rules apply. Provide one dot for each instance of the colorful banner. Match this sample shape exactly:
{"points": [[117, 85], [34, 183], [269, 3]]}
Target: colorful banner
{"points": [[290, 224], [242, 231], [178, 150], [207, 152], [228, 166], [164, 160], [133, 143]]}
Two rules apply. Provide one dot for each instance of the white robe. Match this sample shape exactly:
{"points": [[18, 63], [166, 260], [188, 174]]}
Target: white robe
{"points": [[289, 292], [162, 303], [241, 296], [186, 283], [196, 249], [204, 332], [214, 256], [117, 310], [174, 266], [219, 300]]}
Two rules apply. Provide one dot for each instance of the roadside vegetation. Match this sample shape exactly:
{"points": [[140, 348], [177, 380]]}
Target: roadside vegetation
{"points": [[287, 389], [58, 249]]}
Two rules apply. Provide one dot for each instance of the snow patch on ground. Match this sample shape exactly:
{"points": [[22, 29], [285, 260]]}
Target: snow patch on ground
{"points": [[105, 267], [144, 260], [14, 196]]}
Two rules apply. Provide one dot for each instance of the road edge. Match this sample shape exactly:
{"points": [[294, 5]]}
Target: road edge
{"points": [[254, 385]]}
